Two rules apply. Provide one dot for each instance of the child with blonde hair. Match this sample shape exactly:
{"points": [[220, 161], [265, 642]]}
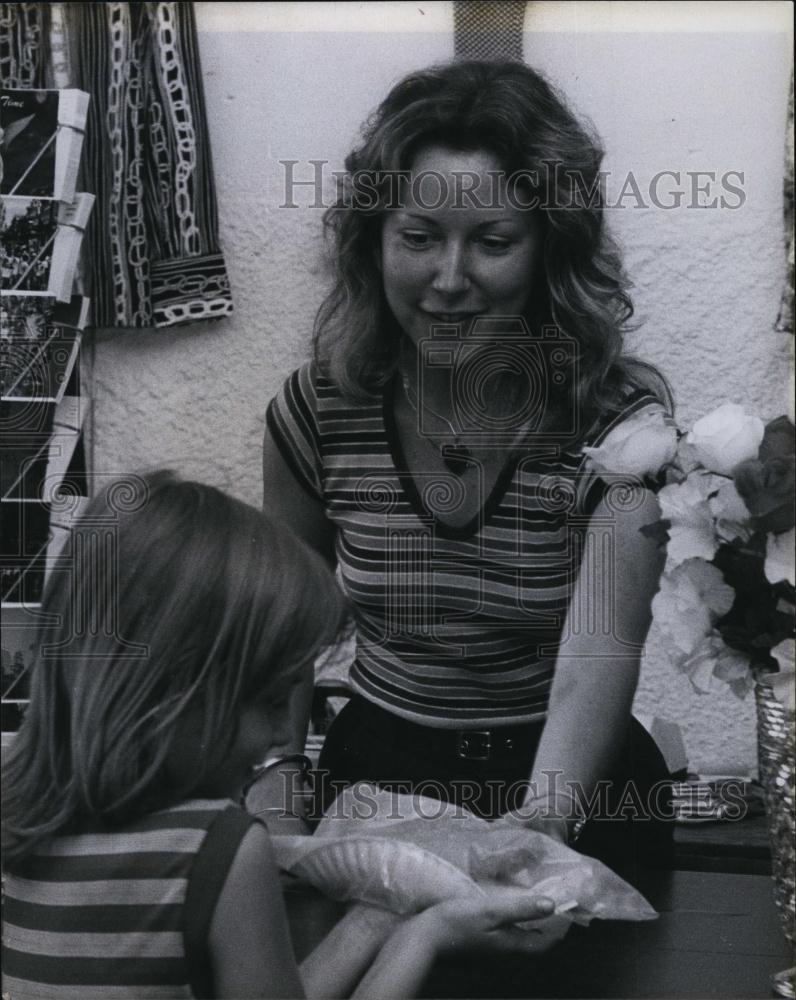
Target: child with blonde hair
{"points": [[186, 623]]}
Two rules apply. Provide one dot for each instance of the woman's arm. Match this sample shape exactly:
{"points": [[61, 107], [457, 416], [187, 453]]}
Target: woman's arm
{"points": [[599, 657], [285, 500]]}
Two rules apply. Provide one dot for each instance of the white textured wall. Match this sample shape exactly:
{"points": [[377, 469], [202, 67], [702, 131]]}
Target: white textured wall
{"points": [[706, 281]]}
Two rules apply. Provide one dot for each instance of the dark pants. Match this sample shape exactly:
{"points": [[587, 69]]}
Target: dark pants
{"points": [[629, 828]]}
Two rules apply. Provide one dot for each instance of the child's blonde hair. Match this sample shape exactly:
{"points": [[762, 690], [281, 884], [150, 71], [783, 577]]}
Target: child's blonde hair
{"points": [[172, 596]]}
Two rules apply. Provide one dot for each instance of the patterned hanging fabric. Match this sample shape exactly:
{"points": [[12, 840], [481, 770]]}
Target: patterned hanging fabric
{"points": [[488, 30], [24, 45], [153, 253]]}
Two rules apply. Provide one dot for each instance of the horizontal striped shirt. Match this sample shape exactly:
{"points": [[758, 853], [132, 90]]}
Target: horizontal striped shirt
{"points": [[456, 626], [122, 913]]}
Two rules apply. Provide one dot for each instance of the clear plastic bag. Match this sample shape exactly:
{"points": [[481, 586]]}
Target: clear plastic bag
{"points": [[405, 853]]}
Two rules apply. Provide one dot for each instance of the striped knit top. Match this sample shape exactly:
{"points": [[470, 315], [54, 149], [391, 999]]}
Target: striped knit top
{"points": [[104, 916], [456, 626]]}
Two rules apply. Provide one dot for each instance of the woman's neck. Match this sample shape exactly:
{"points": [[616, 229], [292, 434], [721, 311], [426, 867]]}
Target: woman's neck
{"points": [[431, 386]]}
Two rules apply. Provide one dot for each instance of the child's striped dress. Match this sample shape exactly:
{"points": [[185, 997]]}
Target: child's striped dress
{"points": [[102, 916]]}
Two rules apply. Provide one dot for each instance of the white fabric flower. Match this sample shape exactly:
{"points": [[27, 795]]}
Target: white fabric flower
{"points": [[733, 667], [709, 584], [693, 532], [729, 511], [699, 663], [640, 445], [785, 654], [713, 658], [726, 437], [686, 459], [779, 564], [690, 599]]}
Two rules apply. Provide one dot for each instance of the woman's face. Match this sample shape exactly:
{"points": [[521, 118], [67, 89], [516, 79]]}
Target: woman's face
{"points": [[469, 255]]}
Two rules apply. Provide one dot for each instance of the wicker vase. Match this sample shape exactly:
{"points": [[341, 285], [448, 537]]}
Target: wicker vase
{"points": [[775, 748]]}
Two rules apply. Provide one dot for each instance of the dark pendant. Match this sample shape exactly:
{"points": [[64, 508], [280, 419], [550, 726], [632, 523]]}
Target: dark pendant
{"points": [[457, 458]]}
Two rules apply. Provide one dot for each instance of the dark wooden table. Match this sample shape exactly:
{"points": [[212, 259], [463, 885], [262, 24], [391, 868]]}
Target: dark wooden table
{"points": [[741, 846], [718, 935]]}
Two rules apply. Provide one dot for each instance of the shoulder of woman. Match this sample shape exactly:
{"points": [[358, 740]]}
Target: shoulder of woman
{"points": [[629, 401], [311, 380], [634, 437], [298, 393]]}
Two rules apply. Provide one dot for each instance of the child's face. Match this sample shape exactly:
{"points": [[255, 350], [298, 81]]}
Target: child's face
{"points": [[263, 727], [260, 730]]}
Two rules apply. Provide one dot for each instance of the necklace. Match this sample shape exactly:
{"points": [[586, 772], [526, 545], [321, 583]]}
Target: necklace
{"points": [[457, 457]]}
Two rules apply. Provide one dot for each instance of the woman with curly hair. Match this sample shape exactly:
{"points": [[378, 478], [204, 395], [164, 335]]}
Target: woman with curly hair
{"points": [[469, 349]]}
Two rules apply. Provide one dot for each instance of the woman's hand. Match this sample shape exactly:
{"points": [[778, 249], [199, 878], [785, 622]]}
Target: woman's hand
{"points": [[489, 922]]}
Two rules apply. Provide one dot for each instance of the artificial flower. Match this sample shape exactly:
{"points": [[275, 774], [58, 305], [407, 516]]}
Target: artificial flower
{"points": [[685, 508], [779, 564], [766, 482], [639, 446], [712, 658], [727, 602], [785, 655], [685, 461], [690, 599], [728, 510], [733, 668], [699, 663], [725, 438], [709, 585]]}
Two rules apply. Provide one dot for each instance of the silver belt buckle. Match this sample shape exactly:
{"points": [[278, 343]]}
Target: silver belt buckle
{"points": [[474, 744]]}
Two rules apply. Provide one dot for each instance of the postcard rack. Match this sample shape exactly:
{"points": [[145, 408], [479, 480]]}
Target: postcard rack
{"points": [[43, 475]]}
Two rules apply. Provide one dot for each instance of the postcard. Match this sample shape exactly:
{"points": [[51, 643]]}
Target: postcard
{"points": [[24, 632], [40, 244], [44, 451], [66, 462], [26, 429], [39, 343], [23, 551], [42, 140]]}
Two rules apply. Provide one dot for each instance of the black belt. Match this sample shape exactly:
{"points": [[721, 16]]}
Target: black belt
{"points": [[466, 744]]}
